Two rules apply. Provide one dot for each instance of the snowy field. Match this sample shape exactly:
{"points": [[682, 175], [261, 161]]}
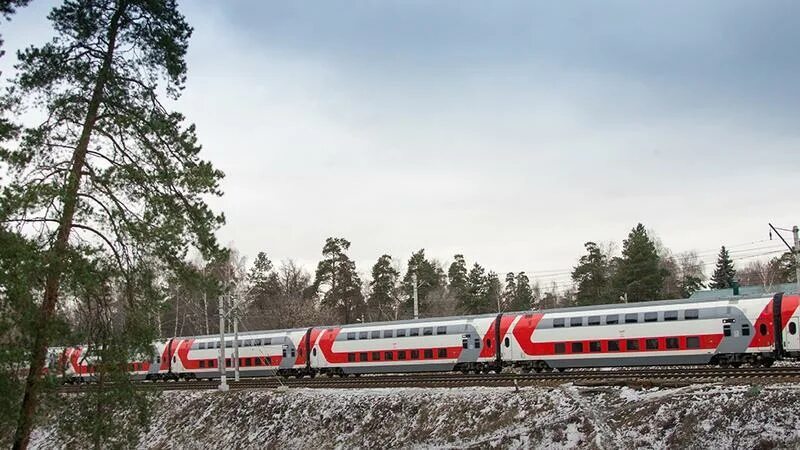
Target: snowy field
{"points": [[566, 416]]}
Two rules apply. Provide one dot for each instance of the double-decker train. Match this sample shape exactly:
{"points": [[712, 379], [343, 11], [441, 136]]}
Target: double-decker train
{"points": [[726, 332]]}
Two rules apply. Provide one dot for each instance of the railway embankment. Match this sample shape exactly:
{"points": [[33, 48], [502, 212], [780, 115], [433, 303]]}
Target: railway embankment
{"points": [[558, 416]]}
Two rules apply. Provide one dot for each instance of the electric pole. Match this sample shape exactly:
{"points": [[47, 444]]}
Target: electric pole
{"points": [[235, 318], [794, 250], [795, 231], [416, 298], [223, 382]]}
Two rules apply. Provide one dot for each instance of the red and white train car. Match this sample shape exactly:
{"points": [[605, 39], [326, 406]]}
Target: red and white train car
{"points": [[425, 345], [675, 332]]}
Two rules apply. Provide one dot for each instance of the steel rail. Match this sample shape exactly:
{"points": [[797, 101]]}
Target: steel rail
{"points": [[503, 379]]}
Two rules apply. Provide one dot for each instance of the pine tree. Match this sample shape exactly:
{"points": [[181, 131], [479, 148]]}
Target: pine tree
{"points": [[591, 277], [475, 301], [457, 275], [337, 272], [639, 274], [523, 299], [494, 293], [724, 273], [510, 292], [110, 173], [430, 278], [383, 289]]}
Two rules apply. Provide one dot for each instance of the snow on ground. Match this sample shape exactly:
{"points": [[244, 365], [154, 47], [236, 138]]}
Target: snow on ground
{"points": [[566, 416]]}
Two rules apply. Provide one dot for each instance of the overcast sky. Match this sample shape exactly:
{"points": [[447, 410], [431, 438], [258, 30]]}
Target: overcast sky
{"points": [[511, 132]]}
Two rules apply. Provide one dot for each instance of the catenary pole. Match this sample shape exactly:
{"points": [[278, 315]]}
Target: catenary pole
{"points": [[223, 382], [416, 298], [796, 232], [235, 318]]}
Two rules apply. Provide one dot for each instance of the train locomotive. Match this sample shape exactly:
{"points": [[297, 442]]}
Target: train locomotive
{"points": [[725, 332]]}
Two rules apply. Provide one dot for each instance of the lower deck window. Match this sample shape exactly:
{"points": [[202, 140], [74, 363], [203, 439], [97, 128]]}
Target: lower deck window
{"points": [[428, 353], [376, 356], [388, 356], [414, 354], [672, 343], [202, 364], [351, 357], [632, 345], [363, 356], [693, 342], [594, 346], [577, 347], [651, 344], [561, 348], [442, 353], [613, 346], [401, 354]]}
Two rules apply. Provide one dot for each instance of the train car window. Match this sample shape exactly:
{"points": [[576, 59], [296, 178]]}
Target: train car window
{"points": [[388, 333], [214, 363], [477, 343], [441, 330], [376, 334], [414, 354], [363, 335], [651, 344], [632, 345], [314, 351], [202, 364], [376, 356], [283, 352], [246, 362], [442, 353], [651, 317], [594, 346], [507, 342], [576, 322], [692, 342], [413, 332], [202, 346], [613, 346], [561, 348], [670, 315], [726, 329], [745, 329], [558, 323], [672, 342], [612, 319], [293, 355], [227, 362], [401, 354], [631, 318], [792, 328], [351, 357], [401, 333], [228, 344], [388, 356], [256, 342], [465, 343], [594, 320], [577, 347], [691, 314], [427, 331], [248, 343], [363, 356], [489, 343], [267, 341], [428, 353], [763, 329]]}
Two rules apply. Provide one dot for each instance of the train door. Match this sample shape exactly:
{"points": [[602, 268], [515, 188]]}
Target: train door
{"points": [[791, 335]]}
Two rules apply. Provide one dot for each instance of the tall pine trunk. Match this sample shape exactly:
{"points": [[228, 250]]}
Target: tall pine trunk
{"points": [[57, 253]]}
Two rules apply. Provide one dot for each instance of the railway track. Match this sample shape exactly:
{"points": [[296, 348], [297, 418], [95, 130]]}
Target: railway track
{"points": [[693, 375]]}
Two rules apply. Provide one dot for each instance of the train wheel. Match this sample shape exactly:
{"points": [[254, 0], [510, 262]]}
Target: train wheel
{"points": [[329, 374]]}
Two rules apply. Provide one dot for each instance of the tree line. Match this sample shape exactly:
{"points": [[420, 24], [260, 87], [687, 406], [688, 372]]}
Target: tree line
{"points": [[286, 295]]}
